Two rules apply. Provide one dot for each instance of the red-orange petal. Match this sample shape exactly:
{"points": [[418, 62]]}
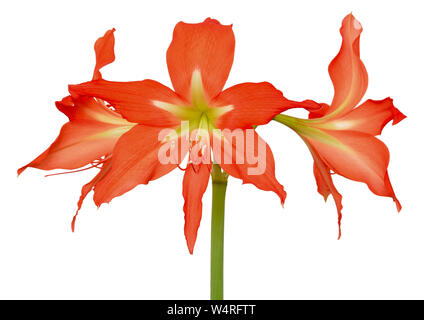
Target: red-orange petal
{"points": [[134, 100], [89, 186], [370, 117], [135, 161], [358, 156], [325, 184], [347, 72], [104, 48], [253, 163], [196, 178], [207, 47], [91, 133], [254, 104]]}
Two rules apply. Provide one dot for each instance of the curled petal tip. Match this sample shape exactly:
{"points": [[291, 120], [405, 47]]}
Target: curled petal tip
{"points": [[20, 170], [398, 205], [356, 24], [73, 222], [352, 24], [397, 116], [350, 18]]}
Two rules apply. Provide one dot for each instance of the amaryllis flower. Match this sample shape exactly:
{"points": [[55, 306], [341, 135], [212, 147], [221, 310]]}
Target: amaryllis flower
{"points": [[199, 60], [341, 136], [92, 131]]}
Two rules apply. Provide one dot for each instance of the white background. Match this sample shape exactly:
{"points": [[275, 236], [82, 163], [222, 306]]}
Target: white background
{"points": [[135, 248]]}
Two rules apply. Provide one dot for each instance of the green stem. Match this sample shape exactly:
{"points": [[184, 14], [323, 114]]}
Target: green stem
{"points": [[219, 187]]}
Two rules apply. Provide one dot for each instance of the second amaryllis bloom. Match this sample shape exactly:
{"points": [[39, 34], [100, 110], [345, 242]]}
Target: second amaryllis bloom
{"points": [[341, 136]]}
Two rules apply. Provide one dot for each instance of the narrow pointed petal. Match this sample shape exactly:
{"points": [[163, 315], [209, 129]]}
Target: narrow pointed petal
{"points": [[244, 155], [207, 47], [325, 184], [357, 156], [104, 48], [370, 117], [77, 145], [136, 101], [347, 72], [91, 133], [390, 191], [90, 186], [196, 178], [136, 160], [254, 104]]}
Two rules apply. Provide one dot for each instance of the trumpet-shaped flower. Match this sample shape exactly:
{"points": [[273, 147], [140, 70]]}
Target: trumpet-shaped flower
{"points": [[341, 136]]}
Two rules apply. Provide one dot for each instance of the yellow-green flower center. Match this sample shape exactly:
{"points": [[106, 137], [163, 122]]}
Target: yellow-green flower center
{"points": [[199, 113]]}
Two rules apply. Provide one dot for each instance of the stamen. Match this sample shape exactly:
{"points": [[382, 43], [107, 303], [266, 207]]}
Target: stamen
{"points": [[94, 164], [73, 171], [182, 169]]}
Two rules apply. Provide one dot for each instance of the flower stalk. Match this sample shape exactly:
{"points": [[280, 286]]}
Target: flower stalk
{"points": [[219, 188]]}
